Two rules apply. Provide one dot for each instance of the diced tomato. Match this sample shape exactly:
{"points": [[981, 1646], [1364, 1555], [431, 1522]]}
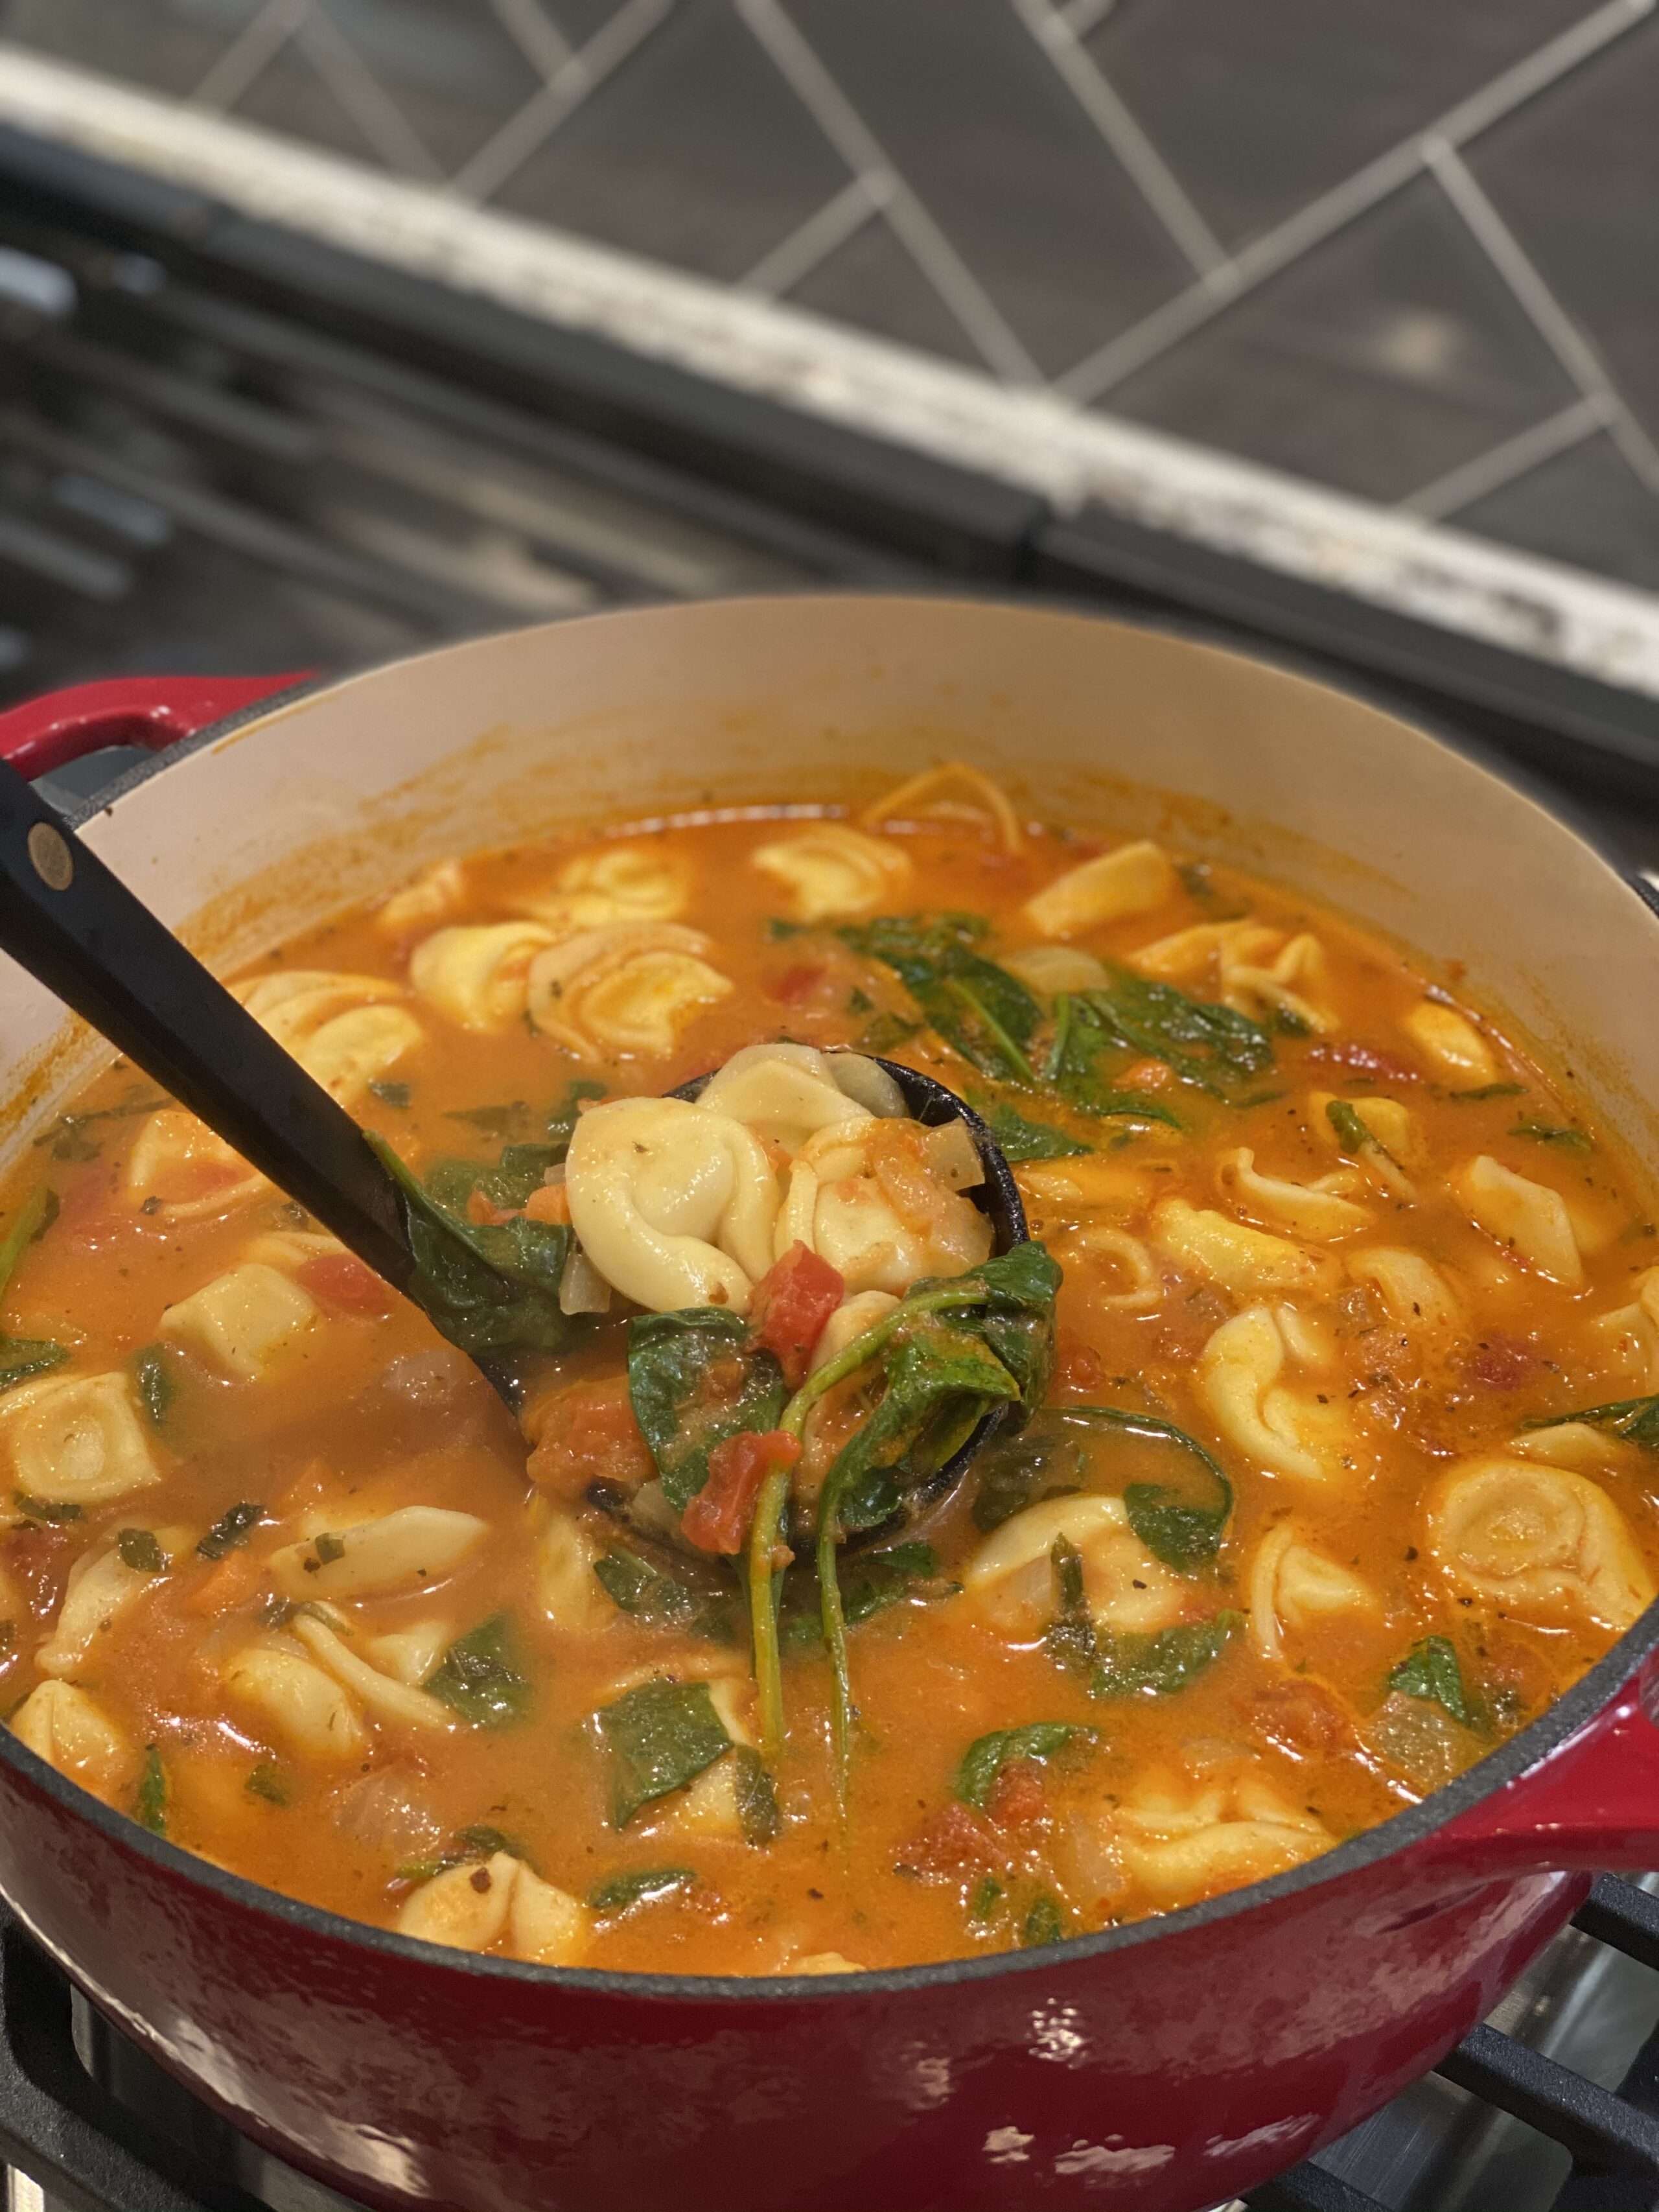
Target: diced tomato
{"points": [[340, 1279], [1500, 1363], [955, 1845], [795, 984], [718, 1518], [225, 1587], [484, 1212], [792, 1301], [551, 1202], [1019, 1798], [1079, 1366], [587, 1433]]}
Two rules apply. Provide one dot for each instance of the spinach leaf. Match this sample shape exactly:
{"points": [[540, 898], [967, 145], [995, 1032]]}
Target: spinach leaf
{"points": [[987, 1015], [150, 1810], [985, 1759], [488, 1288], [1013, 1472], [1490, 1091], [153, 1371], [1635, 1419], [664, 1596], [618, 1891], [140, 1550], [390, 1094], [1158, 1666], [1548, 1132], [1430, 1670], [1019, 1139], [51, 1512], [988, 1895], [562, 1122], [267, 1781], [22, 1357], [1070, 1639], [68, 1135], [494, 1120], [1174, 1529], [869, 1583], [661, 1736], [1205, 1044], [885, 1030], [480, 1677], [1082, 1039], [693, 1383], [231, 1529], [758, 1815], [1044, 1922]]}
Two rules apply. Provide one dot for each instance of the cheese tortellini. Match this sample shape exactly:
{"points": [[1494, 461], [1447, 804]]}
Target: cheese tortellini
{"points": [[1134, 879], [177, 1164], [77, 1440], [500, 1901], [1529, 1218], [478, 974], [346, 1031], [630, 989], [1249, 1262], [71, 1731], [1452, 1044], [1290, 1432], [831, 871], [875, 1199], [1295, 1585], [1259, 970], [1319, 1211], [788, 1093], [244, 1320], [1182, 1837], [100, 1587], [617, 883], [1128, 1591], [675, 1204], [1538, 1542]]}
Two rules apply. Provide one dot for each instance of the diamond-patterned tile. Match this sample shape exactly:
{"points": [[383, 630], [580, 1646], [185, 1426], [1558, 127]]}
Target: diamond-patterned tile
{"points": [[450, 67], [1576, 179], [292, 95], [1585, 506], [870, 282], [1261, 106], [1388, 356], [167, 45], [578, 20], [695, 152], [973, 115]]}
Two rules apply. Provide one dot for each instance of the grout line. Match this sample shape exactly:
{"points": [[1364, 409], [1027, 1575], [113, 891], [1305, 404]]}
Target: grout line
{"points": [[535, 34], [1101, 371], [794, 258], [255, 45], [502, 157], [1026, 438], [1137, 155], [1547, 316], [364, 98], [847, 132], [1504, 464]]}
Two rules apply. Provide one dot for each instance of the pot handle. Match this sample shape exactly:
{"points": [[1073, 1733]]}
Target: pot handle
{"points": [[1593, 1804], [148, 711]]}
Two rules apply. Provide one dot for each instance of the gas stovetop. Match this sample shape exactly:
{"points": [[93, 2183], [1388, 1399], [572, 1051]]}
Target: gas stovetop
{"points": [[225, 448]]}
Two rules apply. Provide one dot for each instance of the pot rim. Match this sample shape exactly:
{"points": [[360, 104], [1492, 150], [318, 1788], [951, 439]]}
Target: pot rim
{"points": [[1413, 1825]]}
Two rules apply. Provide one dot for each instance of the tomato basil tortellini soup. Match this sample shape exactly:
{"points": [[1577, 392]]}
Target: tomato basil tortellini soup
{"points": [[746, 1557]]}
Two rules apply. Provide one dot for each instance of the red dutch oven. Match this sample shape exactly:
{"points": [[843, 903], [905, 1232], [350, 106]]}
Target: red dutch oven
{"points": [[1161, 2066]]}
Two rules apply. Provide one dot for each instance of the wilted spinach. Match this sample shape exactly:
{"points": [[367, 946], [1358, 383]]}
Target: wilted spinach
{"points": [[1132, 1665], [139, 1550], [150, 1808], [1054, 1457], [231, 1529], [638, 1886], [1207, 1045], [665, 1595], [153, 1371], [693, 1383], [987, 1015], [22, 1357], [984, 1759], [871, 1583], [1019, 1139], [480, 1676], [1635, 1419], [661, 1736], [1430, 1670]]}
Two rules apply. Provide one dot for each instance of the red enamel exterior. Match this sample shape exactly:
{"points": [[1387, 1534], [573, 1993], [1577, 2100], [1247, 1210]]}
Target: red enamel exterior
{"points": [[402, 2076]]}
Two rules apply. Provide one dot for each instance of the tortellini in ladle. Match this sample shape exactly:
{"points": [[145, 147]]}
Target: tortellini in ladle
{"points": [[880, 1201], [675, 1204], [788, 1093], [1540, 1541]]}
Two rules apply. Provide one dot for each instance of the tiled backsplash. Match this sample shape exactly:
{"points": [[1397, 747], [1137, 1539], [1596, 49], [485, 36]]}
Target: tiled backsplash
{"points": [[1408, 249]]}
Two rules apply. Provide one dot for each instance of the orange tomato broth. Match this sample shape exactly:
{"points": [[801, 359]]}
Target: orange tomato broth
{"points": [[371, 1411]]}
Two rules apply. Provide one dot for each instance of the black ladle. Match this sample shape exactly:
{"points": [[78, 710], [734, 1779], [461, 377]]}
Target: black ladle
{"points": [[74, 925]]}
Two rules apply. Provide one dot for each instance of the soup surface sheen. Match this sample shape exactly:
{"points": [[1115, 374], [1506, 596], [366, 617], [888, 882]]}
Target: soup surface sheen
{"points": [[277, 1582]]}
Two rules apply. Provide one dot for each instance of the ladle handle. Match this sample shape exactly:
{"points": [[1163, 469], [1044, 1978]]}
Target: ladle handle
{"points": [[74, 925]]}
